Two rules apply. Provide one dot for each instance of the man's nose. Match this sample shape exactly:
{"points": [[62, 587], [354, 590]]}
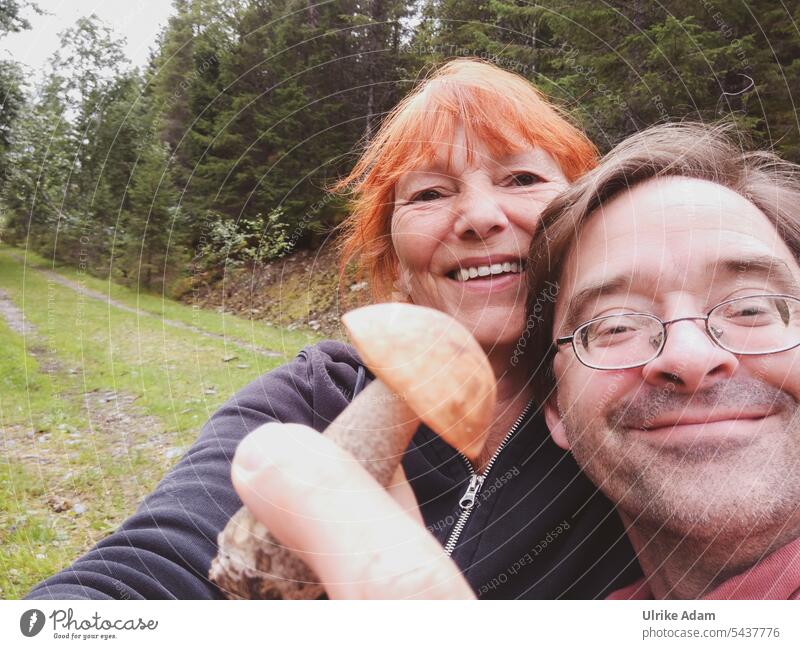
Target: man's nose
{"points": [[478, 213], [690, 360]]}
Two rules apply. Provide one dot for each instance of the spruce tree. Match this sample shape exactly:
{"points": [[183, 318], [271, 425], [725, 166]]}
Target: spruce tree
{"points": [[152, 229]]}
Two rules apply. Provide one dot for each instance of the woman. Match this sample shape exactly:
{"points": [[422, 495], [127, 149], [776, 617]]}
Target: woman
{"points": [[447, 196]]}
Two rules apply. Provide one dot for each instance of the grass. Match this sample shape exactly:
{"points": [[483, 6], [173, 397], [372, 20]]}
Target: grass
{"points": [[235, 328], [32, 541], [66, 444]]}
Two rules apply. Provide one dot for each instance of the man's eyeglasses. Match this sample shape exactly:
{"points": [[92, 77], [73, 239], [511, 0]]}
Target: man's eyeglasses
{"points": [[756, 324]]}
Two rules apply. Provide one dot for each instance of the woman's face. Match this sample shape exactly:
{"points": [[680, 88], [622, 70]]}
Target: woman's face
{"points": [[461, 233]]}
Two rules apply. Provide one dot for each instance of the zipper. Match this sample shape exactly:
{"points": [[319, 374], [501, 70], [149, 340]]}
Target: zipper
{"points": [[476, 481]]}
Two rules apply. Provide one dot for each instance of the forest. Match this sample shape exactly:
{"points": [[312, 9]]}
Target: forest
{"points": [[221, 152]]}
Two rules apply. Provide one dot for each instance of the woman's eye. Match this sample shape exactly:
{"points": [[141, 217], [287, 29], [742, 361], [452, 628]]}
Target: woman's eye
{"points": [[524, 179], [426, 195]]}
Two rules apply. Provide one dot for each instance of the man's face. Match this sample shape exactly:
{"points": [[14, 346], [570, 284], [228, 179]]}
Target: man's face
{"points": [[699, 440]]}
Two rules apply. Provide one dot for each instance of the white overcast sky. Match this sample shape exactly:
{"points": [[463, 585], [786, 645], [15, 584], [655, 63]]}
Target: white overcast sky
{"points": [[139, 21]]}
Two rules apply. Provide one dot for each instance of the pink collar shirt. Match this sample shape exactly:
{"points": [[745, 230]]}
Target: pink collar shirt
{"points": [[775, 577]]}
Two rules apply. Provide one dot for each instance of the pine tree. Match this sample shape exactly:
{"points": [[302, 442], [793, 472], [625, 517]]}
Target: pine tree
{"points": [[284, 121], [151, 237]]}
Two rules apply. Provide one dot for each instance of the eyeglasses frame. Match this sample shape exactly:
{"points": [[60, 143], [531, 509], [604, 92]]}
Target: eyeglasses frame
{"points": [[563, 340]]}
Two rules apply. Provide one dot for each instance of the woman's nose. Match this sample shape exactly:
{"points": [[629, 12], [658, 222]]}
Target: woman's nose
{"points": [[690, 360], [478, 214]]}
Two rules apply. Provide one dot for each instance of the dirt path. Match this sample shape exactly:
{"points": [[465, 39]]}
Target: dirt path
{"points": [[115, 427], [110, 413], [176, 324], [16, 321], [14, 316], [77, 458]]}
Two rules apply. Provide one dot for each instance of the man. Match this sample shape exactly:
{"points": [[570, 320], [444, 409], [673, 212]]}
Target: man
{"points": [[675, 382], [685, 415]]}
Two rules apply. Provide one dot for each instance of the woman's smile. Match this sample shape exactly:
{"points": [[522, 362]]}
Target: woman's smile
{"points": [[486, 275]]}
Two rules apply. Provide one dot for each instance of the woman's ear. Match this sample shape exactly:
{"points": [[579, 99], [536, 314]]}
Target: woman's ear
{"points": [[552, 415]]}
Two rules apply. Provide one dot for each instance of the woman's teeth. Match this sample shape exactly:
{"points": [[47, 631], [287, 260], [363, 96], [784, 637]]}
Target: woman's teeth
{"points": [[464, 274]]}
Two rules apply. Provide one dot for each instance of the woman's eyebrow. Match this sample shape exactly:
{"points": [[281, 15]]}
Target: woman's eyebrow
{"points": [[413, 180], [526, 159], [521, 157], [426, 171]]}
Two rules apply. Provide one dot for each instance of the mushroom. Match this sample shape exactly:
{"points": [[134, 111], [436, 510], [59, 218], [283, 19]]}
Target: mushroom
{"points": [[428, 368]]}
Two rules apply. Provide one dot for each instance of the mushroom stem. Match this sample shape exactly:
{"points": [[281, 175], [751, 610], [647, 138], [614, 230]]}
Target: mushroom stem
{"points": [[375, 429]]}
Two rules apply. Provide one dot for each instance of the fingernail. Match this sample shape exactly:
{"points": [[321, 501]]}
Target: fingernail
{"points": [[252, 456]]}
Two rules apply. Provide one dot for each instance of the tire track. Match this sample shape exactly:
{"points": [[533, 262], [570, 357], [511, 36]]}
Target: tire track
{"points": [[115, 429], [175, 324], [14, 317]]}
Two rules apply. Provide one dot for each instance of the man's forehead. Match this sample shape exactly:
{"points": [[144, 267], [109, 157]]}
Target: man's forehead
{"points": [[682, 192], [671, 229], [668, 204]]}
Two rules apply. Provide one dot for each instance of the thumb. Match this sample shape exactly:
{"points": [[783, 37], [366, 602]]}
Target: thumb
{"points": [[321, 503]]}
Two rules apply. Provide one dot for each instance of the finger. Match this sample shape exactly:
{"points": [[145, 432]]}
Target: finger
{"points": [[319, 501]]}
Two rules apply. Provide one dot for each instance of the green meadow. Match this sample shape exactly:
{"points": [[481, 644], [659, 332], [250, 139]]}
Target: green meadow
{"points": [[98, 399]]}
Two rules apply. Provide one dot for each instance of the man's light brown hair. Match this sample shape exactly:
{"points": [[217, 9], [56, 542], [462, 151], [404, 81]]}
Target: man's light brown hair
{"points": [[689, 150]]}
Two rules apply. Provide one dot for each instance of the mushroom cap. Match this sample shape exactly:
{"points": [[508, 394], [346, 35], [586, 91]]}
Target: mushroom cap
{"points": [[431, 361]]}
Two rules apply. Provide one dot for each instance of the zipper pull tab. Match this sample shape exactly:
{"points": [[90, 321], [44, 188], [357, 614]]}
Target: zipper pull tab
{"points": [[468, 499]]}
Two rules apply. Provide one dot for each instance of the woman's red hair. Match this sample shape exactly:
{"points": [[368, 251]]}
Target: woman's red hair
{"points": [[497, 108]]}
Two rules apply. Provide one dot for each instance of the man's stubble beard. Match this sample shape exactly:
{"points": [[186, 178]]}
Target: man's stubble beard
{"points": [[727, 490]]}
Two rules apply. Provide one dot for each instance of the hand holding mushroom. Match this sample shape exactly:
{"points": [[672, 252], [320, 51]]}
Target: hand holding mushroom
{"points": [[322, 496]]}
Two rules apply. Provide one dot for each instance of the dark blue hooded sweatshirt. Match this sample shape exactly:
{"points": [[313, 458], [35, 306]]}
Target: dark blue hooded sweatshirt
{"points": [[537, 528]]}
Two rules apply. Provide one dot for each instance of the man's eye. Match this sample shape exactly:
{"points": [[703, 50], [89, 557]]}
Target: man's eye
{"points": [[524, 179], [426, 195]]}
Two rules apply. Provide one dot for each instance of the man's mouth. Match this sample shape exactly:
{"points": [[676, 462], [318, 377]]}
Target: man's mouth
{"points": [[712, 434], [465, 273], [704, 429], [702, 418], [734, 411]]}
